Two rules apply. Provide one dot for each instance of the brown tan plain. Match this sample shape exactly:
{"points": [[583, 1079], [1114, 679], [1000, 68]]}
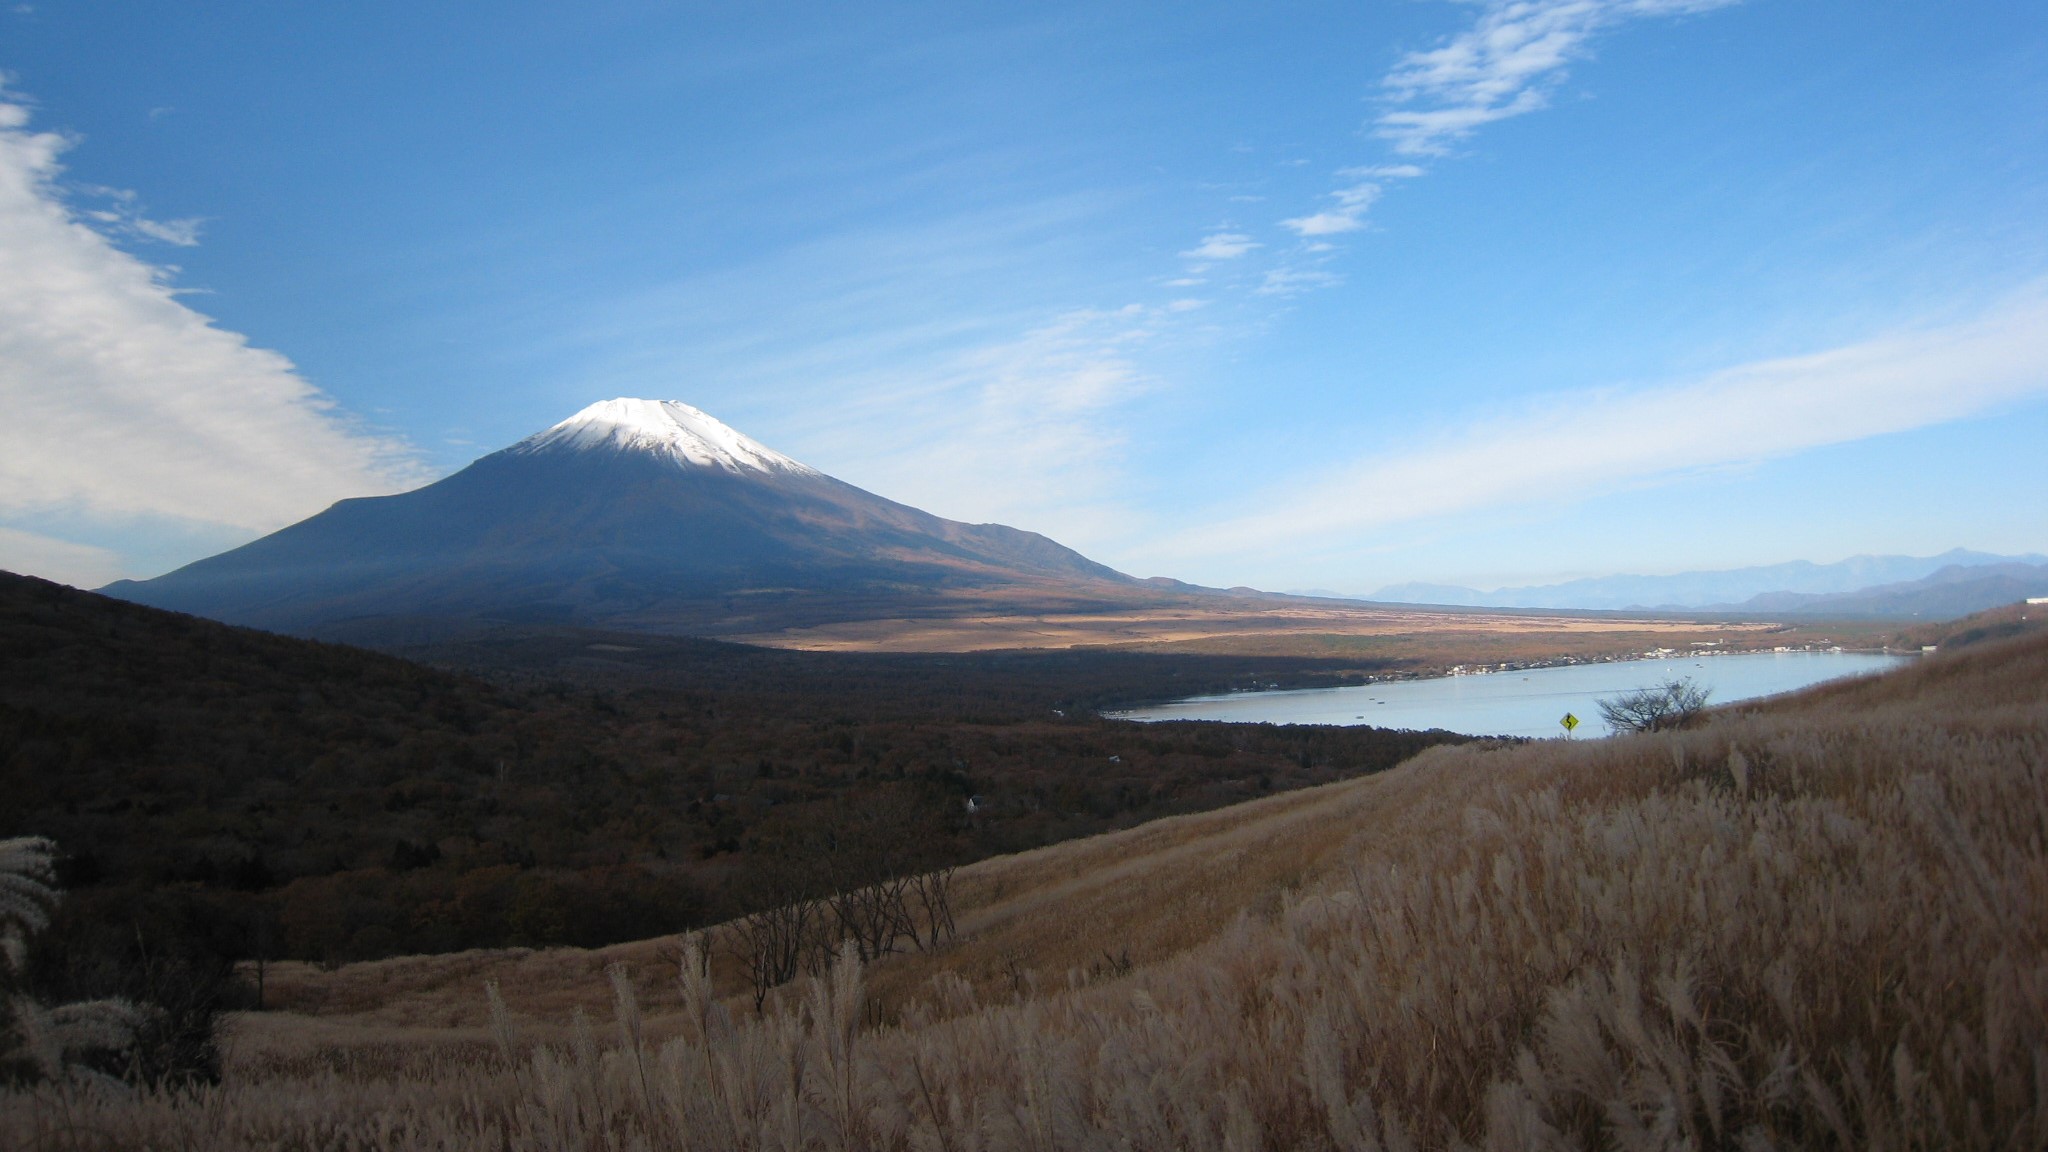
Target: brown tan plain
{"points": [[1264, 625]]}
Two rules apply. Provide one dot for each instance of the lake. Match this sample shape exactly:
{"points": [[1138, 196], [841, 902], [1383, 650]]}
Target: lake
{"points": [[1526, 702]]}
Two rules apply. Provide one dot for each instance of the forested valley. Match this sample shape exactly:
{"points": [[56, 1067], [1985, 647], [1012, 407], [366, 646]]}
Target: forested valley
{"points": [[247, 795]]}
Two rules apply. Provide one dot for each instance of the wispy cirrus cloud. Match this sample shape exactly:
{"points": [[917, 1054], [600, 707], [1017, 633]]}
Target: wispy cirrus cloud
{"points": [[1295, 281], [121, 402], [889, 358], [1563, 447], [1505, 65], [1025, 431], [1221, 246], [1347, 216], [122, 216], [1352, 201], [1049, 404]]}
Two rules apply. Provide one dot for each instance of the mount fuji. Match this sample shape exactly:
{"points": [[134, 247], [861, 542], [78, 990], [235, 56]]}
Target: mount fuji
{"points": [[637, 514]]}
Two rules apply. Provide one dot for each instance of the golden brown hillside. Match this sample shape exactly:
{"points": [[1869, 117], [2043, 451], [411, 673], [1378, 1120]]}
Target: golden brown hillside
{"points": [[1817, 922]]}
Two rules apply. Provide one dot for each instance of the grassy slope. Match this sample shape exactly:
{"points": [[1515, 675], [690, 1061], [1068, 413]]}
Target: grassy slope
{"points": [[1167, 885], [1821, 921], [1813, 923]]}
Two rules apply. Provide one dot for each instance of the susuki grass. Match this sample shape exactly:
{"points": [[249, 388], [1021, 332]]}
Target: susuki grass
{"points": [[1821, 923]]}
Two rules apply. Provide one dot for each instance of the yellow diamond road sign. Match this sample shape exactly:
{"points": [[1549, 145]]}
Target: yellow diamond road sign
{"points": [[1570, 721]]}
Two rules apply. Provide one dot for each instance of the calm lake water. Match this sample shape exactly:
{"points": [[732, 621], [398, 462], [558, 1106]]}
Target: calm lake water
{"points": [[1523, 703]]}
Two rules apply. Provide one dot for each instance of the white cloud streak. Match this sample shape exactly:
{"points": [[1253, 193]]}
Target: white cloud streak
{"points": [[1566, 447], [1221, 246], [1505, 65], [1286, 282], [120, 401], [1352, 202], [1501, 67], [1347, 216], [123, 217], [1021, 432]]}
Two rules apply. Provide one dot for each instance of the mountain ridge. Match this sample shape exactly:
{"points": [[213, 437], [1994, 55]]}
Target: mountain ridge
{"points": [[1720, 589], [1955, 591]]}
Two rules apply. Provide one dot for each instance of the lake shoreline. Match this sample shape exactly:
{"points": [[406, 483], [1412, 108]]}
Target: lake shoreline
{"points": [[1524, 698]]}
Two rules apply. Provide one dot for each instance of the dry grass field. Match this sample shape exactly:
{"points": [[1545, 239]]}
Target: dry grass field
{"points": [[1252, 625], [1816, 922]]}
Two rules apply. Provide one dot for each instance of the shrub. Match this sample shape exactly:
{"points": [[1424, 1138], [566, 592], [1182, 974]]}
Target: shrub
{"points": [[1672, 704]]}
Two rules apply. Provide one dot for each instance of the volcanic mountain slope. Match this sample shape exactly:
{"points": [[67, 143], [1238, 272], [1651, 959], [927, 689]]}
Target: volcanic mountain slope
{"points": [[636, 513]]}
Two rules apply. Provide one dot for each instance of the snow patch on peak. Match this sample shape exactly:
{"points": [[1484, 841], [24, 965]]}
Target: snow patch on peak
{"points": [[671, 428]]}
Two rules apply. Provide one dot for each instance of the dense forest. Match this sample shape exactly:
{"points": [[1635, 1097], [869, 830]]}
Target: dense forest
{"points": [[308, 800]]}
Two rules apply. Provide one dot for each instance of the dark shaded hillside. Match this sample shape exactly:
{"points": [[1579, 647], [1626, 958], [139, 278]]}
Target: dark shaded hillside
{"points": [[336, 803], [1996, 624]]}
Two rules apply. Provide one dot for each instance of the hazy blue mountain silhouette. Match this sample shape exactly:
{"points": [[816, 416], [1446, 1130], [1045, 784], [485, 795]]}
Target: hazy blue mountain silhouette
{"points": [[1955, 591], [1717, 589]]}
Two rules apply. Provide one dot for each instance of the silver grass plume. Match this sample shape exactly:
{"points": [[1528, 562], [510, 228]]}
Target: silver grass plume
{"points": [[502, 1030], [28, 891], [48, 1037]]}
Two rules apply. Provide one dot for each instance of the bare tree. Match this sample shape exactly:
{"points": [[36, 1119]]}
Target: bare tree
{"points": [[933, 892], [782, 936], [871, 871], [1672, 704], [774, 945], [883, 857], [874, 916]]}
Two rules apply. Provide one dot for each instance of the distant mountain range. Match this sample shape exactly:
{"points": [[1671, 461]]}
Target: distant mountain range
{"points": [[1955, 591], [636, 514], [1954, 583]]}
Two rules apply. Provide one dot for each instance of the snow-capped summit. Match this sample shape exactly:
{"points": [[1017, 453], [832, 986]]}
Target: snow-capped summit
{"points": [[634, 514], [669, 428]]}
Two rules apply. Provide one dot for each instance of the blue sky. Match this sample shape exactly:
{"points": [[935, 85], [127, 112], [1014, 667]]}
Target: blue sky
{"points": [[1296, 296]]}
